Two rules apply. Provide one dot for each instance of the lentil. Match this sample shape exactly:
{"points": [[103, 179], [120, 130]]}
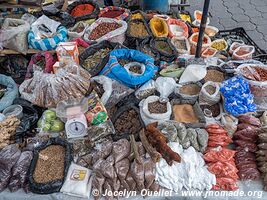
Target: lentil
{"points": [[50, 164], [157, 107]]}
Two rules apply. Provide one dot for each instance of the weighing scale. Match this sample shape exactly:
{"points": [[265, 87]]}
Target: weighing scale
{"points": [[72, 112]]}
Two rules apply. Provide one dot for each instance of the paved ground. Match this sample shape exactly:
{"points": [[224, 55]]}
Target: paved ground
{"points": [[229, 14]]}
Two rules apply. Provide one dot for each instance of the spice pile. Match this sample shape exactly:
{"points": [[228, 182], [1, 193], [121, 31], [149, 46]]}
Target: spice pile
{"points": [[92, 60], [138, 29], [102, 29]]}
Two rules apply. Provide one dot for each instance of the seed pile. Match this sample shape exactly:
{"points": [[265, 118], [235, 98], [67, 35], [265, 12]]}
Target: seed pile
{"points": [[102, 29], [128, 122], [214, 76], [210, 89], [163, 46], [50, 164], [136, 69], [190, 89], [94, 59], [138, 29], [157, 107]]}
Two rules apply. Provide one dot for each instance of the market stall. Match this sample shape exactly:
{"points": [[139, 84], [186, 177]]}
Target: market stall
{"points": [[106, 102]]}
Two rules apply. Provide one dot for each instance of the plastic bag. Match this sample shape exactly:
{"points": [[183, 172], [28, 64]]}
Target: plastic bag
{"points": [[210, 93], [8, 158], [192, 94], [14, 32], [193, 41], [182, 45], [77, 30], [244, 52], [177, 28], [113, 91], [116, 71], [19, 171], [117, 35], [100, 61], [83, 16], [52, 186], [28, 18], [193, 73], [148, 117], [237, 97], [146, 90], [165, 86], [46, 90], [11, 91], [229, 123], [14, 66], [159, 27], [77, 182]]}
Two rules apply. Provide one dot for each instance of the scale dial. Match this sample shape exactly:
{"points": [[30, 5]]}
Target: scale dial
{"points": [[75, 128]]}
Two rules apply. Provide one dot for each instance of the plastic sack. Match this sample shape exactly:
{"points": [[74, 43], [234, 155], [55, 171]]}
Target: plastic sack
{"points": [[171, 70], [77, 182], [193, 73], [83, 16], [148, 117], [64, 18], [52, 186], [237, 96], [78, 30], [28, 18], [19, 171], [10, 93], [8, 158], [193, 41], [14, 66], [117, 35], [44, 60], [244, 52], [114, 91], [116, 71], [46, 90], [182, 45], [159, 27], [14, 32], [165, 86], [194, 97], [101, 61], [177, 28], [114, 12], [164, 48], [229, 123], [146, 90], [210, 93]]}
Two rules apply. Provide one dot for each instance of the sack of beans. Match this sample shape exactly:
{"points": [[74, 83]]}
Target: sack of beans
{"points": [[177, 28], [188, 90], [210, 93], [159, 27], [145, 47], [49, 166], [194, 39], [182, 45], [114, 12], [109, 29], [188, 112], [165, 48], [95, 57], [78, 30], [120, 57], [137, 31], [42, 61], [214, 74], [244, 52], [152, 110], [83, 9]]}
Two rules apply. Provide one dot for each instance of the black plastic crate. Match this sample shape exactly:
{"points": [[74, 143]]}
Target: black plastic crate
{"points": [[244, 36], [262, 58]]}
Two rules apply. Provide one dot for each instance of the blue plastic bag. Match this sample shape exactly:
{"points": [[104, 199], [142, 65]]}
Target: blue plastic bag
{"points": [[116, 71], [237, 96], [10, 94]]}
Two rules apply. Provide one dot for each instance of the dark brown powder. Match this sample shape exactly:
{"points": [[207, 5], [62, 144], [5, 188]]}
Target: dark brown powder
{"points": [[157, 107]]}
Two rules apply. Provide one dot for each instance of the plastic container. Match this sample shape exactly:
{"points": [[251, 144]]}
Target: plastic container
{"points": [[162, 5], [16, 110]]}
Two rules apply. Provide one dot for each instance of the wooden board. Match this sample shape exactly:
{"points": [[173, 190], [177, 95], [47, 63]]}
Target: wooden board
{"points": [[12, 52]]}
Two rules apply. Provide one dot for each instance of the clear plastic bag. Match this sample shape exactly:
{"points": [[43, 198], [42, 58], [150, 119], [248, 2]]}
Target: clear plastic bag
{"points": [[210, 93], [46, 90], [74, 31], [117, 35], [146, 90], [165, 86], [229, 123], [14, 32], [28, 18]]}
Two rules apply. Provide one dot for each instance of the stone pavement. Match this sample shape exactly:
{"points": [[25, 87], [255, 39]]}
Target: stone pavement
{"points": [[229, 14]]}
